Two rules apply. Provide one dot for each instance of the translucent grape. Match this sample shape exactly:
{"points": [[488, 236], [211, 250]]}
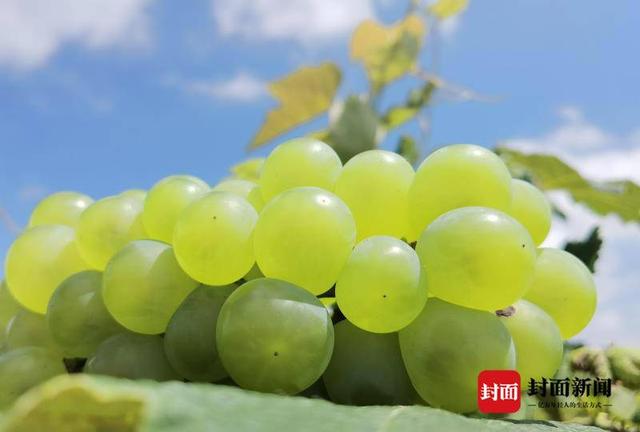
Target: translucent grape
{"points": [[375, 185], [273, 336], [136, 194], [213, 238], [299, 162], [24, 368], [254, 273], [30, 329], [477, 257], [133, 356], [244, 188], [537, 341], [38, 260], [304, 236], [166, 200], [8, 308], [190, 340], [107, 225], [563, 286], [460, 175], [143, 285], [530, 207], [380, 289], [77, 317], [367, 369], [61, 208], [446, 348]]}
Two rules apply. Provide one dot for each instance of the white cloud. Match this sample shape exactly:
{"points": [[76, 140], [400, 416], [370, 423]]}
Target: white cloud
{"points": [[310, 22], [242, 87], [32, 31], [600, 155]]}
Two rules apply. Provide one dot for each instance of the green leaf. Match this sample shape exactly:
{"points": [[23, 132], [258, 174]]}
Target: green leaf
{"points": [[355, 130], [387, 53], [86, 403], [586, 250], [550, 173], [303, 95], [400, 114], [444, 9], [408, 149], [248, 170]]}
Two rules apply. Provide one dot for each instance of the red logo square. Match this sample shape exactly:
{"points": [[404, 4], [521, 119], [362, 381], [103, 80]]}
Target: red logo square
{"points": [[499, 391]]}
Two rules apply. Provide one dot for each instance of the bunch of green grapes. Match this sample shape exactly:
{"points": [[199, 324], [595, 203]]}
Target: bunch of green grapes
{"points": [[368, 283]]}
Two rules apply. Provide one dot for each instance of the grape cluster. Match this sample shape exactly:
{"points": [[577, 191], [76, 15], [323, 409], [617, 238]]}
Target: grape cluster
{"points": [[368, 283]]}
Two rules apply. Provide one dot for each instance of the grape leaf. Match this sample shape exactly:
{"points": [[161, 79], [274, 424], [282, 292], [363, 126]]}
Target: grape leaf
{"points": [[355, 130], [586, 250], [400, 114], [550, 173], [444, 9], [303, 95], [248, 170], [83, 403], [387, 53], [408, 149]]}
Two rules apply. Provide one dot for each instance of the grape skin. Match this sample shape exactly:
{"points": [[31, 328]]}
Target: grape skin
{"points": [[477, 257], [132, 356], [244, 188], [380, 288], [166, 200], [8, 308], [461, 175], [304, 236], [77, 317], [52, 250], [367, 369], [531, 208], [143, 285], [29, 329], [446, 348], [60, 208], [190, 340], [299, 162], [213, 238], [537, 341], [563, 286], [273, 336], [375, 185]]}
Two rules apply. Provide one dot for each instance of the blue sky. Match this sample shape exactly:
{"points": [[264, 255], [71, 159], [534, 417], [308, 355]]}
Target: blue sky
{"points": [[100, 97]]}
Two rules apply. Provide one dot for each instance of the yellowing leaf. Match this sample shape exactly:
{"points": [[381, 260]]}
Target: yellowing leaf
{"points": [[399, 114], [444, 9], [387, 52], [303, 95]]}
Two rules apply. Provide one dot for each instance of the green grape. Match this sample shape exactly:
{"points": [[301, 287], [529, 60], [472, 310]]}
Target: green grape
{"points": [[190, 340], [273, 336], [536, 338], [531, 208], [61, 208], [477, 257], [38, 260], [213, 238], [132, 356], [299, 162], [24, 368], [375, 185], [460, 175], [143, 285], [30, 329], [107, 225], [245, 188], [446, 348], [136, 194], [563, 286], [380, 289], [254, 273], [304, 236], [166, 200], [8, 308], [77, 317], [367, 369]]}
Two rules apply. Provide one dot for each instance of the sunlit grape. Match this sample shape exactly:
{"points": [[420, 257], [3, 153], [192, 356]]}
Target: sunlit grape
{"points": [[244, 188], [60, 208], [531, 208]]}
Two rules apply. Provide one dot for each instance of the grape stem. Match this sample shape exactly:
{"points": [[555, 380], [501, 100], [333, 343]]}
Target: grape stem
{"points": [[506, 312]]}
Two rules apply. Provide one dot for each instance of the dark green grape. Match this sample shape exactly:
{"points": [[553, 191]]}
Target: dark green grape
{"points": [[190, 340], [367, 369], [29, 329]]}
